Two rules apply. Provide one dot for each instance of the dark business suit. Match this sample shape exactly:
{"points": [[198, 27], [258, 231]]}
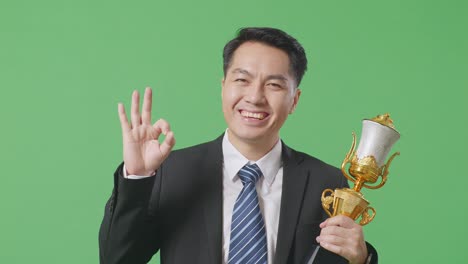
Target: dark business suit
{"points": [[179, 211]]}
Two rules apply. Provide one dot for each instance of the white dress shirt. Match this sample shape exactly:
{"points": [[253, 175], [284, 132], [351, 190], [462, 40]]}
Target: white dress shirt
{"points": [[269, 188]]}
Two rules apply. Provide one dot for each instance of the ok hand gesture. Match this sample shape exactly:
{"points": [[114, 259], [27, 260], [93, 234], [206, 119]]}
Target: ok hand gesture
{"points": [[142, 152]]}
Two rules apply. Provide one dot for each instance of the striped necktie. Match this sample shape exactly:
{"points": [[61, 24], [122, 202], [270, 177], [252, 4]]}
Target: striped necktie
{"points": [[248, 244]]}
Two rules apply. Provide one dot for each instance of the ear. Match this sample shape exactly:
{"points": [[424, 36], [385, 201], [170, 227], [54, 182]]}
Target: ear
{"points": [[297, 95]]}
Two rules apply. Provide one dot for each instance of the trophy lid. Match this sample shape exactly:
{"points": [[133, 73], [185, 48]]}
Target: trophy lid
{"points": [[384, 120]]}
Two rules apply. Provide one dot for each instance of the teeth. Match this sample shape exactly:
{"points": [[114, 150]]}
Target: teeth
{"points": [[253, 115]]}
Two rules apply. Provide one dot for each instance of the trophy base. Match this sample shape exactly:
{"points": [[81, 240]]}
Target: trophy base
{"points": [[348, 202]]}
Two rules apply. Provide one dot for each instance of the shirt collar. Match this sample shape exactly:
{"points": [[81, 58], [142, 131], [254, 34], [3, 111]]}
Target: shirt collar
{"points": [[234, 160]]}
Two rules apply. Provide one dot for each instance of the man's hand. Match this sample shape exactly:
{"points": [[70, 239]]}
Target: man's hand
{"points": [[342, 236], [142, 152]]}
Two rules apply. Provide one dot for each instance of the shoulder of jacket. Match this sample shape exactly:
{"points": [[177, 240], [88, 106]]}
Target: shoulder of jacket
{"points": [[312, 161]]}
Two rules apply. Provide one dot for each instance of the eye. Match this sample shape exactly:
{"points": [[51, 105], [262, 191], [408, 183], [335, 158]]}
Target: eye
{"points": [[240, 80], [275, 85]]}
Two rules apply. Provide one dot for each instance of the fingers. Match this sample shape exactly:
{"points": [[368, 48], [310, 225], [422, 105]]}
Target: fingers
{"points": [[162, 127], [123, 119], [353, 251], [335, 249], [341, 235], [330, 239], [135, 112], [147, 104], [168, 144], [341, 226], [339, 220], [332, 230]]}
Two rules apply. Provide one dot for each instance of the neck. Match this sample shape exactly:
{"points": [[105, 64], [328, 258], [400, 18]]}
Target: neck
{"points": [[254, 149]]}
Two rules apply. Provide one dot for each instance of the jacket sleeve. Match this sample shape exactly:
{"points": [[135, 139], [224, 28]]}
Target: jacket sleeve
{"points": [[372, 257], [128, 232]]}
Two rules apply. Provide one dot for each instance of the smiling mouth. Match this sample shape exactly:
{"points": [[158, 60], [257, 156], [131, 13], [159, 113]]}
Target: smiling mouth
{"points": [[258, 115]]}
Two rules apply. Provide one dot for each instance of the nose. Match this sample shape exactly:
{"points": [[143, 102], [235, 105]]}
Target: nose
{"points": [[255, 94]]}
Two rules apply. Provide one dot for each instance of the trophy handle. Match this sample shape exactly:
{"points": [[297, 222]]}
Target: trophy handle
{"points": [[366, 217], [347, 159], [384, 174], [327, 200]]}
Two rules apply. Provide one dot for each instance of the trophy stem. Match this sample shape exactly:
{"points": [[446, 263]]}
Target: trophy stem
{"points": [[358, 184]]}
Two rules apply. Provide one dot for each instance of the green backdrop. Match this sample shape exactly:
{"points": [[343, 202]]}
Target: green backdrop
{"points": [[64, 66]]}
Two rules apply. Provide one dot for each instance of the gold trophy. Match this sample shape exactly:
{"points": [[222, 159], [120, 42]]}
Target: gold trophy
{"points": [[367, 165]]}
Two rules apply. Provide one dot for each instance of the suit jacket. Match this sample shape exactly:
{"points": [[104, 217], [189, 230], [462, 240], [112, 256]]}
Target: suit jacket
{"points": [[179, 211]]}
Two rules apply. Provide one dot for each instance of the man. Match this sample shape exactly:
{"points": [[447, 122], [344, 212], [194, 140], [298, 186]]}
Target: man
{"points": [[245, 197]]}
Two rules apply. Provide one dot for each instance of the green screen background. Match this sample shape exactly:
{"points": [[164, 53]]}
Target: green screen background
{"points": [[64, 66]]}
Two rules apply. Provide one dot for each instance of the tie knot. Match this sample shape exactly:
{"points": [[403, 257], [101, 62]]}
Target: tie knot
{"points": [[250, 173]]}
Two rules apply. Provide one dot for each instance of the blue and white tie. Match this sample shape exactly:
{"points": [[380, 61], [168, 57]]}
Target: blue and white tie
{"points": [[248, 244]]}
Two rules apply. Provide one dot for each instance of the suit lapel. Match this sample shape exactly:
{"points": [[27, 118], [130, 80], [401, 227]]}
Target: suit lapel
{"points": [[294, 184], [212, 171]]}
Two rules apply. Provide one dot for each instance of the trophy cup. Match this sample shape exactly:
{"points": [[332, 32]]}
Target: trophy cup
{"points": [[367, 165]]}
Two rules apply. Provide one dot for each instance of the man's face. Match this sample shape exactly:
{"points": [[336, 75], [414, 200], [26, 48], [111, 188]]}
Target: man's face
{"points": [[258, 93]]}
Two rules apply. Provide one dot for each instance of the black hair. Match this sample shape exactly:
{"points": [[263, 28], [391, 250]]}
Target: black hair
{"points": [[272, 37]]}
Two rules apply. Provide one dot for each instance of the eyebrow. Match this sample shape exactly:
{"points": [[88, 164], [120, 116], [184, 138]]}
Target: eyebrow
{"points": [[277, 77], [243, 71], [269, 77]]}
